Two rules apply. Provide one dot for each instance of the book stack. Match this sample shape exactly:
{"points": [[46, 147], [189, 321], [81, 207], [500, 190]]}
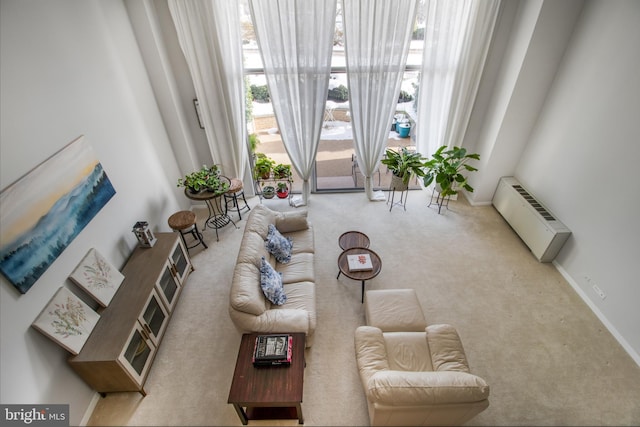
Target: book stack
{"points": [[360, 262], [272, 350]]}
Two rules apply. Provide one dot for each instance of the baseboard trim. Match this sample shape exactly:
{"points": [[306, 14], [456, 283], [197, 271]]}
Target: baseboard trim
{"points": [[627, 347], [92, 405]]}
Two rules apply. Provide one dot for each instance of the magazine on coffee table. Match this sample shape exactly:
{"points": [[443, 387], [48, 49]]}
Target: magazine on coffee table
{"points": [[272, 350], [359, 262]]}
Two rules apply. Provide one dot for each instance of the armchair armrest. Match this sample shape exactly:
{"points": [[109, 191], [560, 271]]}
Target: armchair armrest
{"points": [[371, 352], [400, 388], [447, 353]]}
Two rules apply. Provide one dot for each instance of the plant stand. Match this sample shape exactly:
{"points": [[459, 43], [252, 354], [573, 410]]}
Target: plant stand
{"points": [[440, 200], [398, 185], [261, 182]]}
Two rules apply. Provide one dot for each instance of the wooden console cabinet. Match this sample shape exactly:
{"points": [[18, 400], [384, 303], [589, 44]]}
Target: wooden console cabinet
{"points": [[120, 351]]}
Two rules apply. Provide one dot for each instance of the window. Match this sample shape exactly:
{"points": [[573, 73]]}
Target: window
{"points": [[336, 169]]}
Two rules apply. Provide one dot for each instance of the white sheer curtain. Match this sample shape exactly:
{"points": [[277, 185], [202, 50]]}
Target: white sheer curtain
{"points": [[457, 38], [209, 35], [295, 38], [377, 37]]}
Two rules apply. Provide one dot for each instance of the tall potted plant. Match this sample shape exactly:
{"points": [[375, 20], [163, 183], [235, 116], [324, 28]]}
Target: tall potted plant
{"points": [[403, 164], [445, 168]]}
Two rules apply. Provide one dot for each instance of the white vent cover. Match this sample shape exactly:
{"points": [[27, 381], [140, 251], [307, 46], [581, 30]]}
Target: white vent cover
{"points": [[535, 225]]}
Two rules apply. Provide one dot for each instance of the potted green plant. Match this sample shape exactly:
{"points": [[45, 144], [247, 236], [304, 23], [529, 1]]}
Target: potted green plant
{"points": [[253, 142], [403, 164], [281, 171], [283, 190], [445, 167], [206, 178], [263, 166], [268, 191]]}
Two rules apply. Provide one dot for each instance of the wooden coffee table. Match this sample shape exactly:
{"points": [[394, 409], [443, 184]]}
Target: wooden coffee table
{"points": [[273, 392], [353, 239], [343, 265]]}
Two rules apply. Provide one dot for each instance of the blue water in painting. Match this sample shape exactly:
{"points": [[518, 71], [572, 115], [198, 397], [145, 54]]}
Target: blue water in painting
{"points": [[25, 259]]}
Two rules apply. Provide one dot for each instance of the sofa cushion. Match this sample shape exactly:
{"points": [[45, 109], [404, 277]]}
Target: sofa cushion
{"points": [[271, 283], [287, 222], [302, 296], [261, 217], [299, 269], [303, 240], [252, 249], [278, 245]]}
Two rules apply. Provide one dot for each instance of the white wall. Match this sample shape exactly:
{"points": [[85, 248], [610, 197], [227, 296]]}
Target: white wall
{"points": [[561, 114], [582, 162], [71, 68]]}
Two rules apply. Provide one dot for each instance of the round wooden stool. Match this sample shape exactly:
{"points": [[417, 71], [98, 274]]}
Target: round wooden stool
{"points": [[236, 189], [184, 222]]}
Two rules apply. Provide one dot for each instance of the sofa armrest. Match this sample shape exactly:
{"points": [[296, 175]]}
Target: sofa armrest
{"points": [[447, 353], [371, 352], [285, 320], [280, 320], [290, 221], [400, 388]]}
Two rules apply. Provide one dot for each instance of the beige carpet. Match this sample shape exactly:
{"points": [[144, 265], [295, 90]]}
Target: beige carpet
{"points": [[548, 359]]}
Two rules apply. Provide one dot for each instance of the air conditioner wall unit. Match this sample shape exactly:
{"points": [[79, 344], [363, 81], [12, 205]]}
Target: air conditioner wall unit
{"points": [[542, 232]]}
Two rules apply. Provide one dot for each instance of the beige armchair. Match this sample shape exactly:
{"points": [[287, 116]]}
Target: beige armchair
{"points": [[418, 378]]}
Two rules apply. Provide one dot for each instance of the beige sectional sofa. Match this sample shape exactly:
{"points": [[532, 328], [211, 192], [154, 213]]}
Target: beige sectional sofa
{"points": [[249, 309]]}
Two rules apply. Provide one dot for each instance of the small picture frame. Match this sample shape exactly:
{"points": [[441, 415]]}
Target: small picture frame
{"points": [[196, 104], [66, 320], [96, 276]]}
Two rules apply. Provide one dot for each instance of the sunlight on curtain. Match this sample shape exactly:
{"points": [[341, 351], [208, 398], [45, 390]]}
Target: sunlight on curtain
{"points": [[295, 39], [209, 35], [377, 37], [457, 38]]}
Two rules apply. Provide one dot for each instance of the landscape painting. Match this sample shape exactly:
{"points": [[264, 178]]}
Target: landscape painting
{"points": [[46, 209]]}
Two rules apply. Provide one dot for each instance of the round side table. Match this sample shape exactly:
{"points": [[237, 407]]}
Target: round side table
{"points": [[343, 266], [353, 239]]}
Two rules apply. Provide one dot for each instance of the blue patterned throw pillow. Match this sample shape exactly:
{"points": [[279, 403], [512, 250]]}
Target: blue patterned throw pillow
{"points": [[278, 245], [271, 283]]}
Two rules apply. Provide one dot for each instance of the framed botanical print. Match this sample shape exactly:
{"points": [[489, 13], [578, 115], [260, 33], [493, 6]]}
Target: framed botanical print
{"points": [[97, 277], [67, 320]]}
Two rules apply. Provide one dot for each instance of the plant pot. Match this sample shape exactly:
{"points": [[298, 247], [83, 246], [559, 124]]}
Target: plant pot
{"points": [[282, 194], [397, 184], [404, 129], [268, 192]]}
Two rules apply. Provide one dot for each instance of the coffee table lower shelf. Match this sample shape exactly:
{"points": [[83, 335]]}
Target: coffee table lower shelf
{"points": [[269, 413]]}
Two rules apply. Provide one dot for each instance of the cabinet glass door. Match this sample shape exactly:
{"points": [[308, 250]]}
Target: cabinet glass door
{"points": [[154, 318], [181, 262], [138, 354], [167, 286]]}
